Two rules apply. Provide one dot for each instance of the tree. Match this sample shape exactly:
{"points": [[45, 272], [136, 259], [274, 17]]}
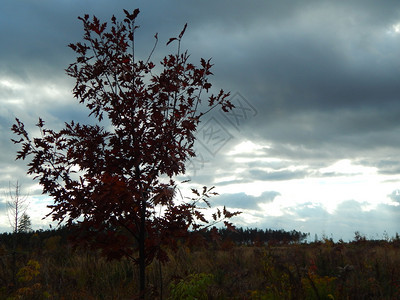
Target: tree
{"points": [[17, 206], [116, 182], [25, 223]]}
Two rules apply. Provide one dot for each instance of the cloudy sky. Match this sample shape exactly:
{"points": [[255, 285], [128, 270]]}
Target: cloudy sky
{"points": [[314, 141]]}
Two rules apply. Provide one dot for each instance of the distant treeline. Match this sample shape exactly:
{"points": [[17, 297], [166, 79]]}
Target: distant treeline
{"points": [[33, 239], [248, 236]]}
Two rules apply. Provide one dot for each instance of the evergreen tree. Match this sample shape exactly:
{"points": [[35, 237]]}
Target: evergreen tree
{"points": [[25, 223]]}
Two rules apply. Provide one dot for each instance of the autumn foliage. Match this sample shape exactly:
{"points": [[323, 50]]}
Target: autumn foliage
{"points": [[114, 180]]}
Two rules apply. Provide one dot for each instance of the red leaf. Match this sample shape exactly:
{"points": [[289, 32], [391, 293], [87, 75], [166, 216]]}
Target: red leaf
{"points": [[230, 226], [183, 31], [136, 12], [200, 216], [188, 125], [132, 16], [171, 40], [40, 123], [194, 191]]}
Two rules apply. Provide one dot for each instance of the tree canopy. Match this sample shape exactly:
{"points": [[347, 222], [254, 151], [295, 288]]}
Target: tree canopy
{"points": [[115, 179]]}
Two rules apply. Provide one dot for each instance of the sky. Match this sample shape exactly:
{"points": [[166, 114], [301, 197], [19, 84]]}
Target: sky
{"points": [[313, 143]]}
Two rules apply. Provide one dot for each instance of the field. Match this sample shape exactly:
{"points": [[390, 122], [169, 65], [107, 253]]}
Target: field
{"points": [[46, 268]]}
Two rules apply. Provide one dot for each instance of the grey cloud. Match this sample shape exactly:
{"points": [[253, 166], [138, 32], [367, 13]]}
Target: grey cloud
{"points": [[275, 165], [232, 182], [386, 166], [323, 76], [332, 136], [309, 210], [348, 218], [333, 94], [376, 221], [251, 175], [244, 201], [277, 175], [395, 195], [3, 207]]}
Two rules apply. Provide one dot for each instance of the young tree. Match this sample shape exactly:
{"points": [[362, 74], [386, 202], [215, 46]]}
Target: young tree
{"points": [[116, 181], [17, 206], [25, 224]]}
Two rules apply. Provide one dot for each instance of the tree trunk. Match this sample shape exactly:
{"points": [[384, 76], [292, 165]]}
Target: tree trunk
{"points": [[142, 254]]}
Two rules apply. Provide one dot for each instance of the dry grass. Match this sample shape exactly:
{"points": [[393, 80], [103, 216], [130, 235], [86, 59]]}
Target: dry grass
{"points": [[363, 270]]}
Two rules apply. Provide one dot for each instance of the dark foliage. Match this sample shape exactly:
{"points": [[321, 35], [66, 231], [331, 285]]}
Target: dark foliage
{"points": [[48, 268], [114, 178], [241, 236], [251, 236]]}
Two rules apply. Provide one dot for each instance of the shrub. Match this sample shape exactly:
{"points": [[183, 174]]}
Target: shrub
{"points": [[193, 286]]}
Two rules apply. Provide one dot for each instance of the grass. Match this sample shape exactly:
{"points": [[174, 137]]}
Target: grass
{"points": [[324, 270]]}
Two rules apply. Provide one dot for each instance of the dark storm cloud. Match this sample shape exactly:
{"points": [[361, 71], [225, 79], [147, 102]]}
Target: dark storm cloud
{"points": [[34, 36], [295, 61], [324, 79]]}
